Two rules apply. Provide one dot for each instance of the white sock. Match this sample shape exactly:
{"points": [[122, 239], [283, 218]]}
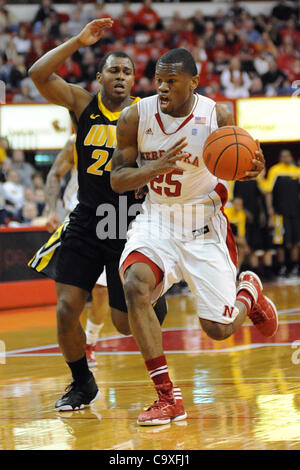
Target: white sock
{"points": [[92, 331]]}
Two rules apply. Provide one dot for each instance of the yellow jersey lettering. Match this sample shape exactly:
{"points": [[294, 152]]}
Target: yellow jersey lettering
{"points": [[101, 157], [89, 137], [111, 137]]}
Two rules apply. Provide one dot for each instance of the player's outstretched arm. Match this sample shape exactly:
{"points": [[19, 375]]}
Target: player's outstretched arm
{"points": [[63, 163], [124, 175], [54, 88]]}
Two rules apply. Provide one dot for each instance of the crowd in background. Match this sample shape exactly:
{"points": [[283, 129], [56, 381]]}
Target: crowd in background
{"points": [[237, 55]]}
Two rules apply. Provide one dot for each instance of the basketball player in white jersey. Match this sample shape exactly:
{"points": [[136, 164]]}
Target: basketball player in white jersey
{"points": [[165, 135], [99, 309]]}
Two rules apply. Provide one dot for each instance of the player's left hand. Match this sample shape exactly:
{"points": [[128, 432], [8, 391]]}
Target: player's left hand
{"points": [[141, 192], [259, 165]]}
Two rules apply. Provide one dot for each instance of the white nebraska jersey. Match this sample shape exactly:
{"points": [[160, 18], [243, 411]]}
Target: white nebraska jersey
{"points": [[158, 132]]}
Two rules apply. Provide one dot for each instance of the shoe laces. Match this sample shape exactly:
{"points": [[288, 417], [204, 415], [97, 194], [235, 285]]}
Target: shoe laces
{"points": [[256, 316], [73, 387]]}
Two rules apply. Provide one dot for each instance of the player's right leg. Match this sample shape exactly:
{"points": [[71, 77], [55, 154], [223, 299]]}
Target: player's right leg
{"points": [[72, 341], [140, 281]]}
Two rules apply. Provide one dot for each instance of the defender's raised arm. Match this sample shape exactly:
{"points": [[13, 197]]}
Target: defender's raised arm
{"points": [[54, 88]]}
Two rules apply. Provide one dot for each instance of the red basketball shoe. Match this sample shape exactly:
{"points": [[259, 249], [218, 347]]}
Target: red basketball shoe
{"points": [[90, 351], [169, 407], [263, 313]]}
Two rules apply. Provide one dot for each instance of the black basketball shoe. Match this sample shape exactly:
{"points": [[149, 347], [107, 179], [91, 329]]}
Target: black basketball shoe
{"points": [[78, 396]]}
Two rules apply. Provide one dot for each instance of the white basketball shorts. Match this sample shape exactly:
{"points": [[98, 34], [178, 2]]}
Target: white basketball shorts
{"points": [[207, 263]]}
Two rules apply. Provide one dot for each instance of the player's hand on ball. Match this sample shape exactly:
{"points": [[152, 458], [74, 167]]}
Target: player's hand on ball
{"points": [[167, 162], [93, 31], [259, 164]]}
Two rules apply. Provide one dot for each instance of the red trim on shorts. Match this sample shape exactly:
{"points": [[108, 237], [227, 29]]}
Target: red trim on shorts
{"points": [[137, 257], [222, 192]]}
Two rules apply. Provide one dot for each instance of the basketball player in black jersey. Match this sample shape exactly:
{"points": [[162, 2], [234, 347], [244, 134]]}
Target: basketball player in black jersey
{"points": [[82, 255]]}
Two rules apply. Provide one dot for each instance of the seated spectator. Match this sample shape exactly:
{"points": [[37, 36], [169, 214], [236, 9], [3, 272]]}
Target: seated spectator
{"points": [[273, 79], [144, 88], [3, 212], [287, 57], [5, 167], [282, 11], [294, 74], [69, 71], [220, 44], [24, 95], [253, 35], [23, 168], [261, 62], [207, 74], [290, 29], [35, 52], [45, 10], [28, 93], [40, 200], [234, 75], [21, 41], [29, 217], [213, 91], [267, 45], [75, 24], [37, 181], [209, 35], [13, 192], [124, 24], [187, 33], [147, 18], [244, 49], [256, 87], [8, 18], [237, 88], [199, 23], [89, 66], [18, 71], [151, 63], [5, 38]]}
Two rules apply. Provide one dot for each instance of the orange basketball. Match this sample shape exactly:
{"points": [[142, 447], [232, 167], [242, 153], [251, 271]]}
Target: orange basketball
{"points": [[228, 152]]}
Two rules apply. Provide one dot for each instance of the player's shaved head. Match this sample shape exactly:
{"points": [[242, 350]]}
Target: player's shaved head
{"points": [[177, 59]]}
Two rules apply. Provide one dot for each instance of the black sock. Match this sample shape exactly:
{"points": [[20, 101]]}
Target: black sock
{"points": [[80, 370]]}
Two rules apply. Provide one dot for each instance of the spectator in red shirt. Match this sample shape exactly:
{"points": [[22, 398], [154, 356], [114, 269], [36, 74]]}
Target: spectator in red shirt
{"points": [[287, 58], [187, 33], [35, 52], [294, 74], [147, 16], [123, 26], [69, 71], [213, 91], [220, 45]]}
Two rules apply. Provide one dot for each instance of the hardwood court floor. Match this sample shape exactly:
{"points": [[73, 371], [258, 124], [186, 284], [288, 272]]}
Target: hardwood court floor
{"points": [[241, 393]]}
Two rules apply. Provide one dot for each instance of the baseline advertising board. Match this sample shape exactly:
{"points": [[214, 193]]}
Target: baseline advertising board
{"points": [[270, 119], [35, 126]]}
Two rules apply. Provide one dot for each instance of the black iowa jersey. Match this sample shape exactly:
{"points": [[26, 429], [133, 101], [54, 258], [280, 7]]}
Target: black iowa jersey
{"points": [[95, 144]]}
